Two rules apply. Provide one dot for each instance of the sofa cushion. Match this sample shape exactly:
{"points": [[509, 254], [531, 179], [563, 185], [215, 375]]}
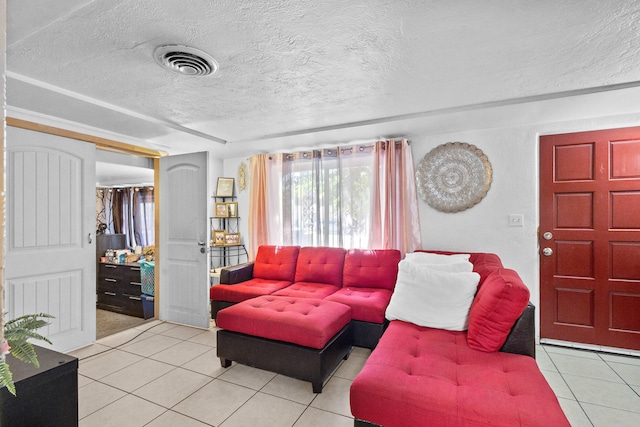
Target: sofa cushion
{"points": [[428, 297], [375, 268], [367, 304], [320, 265], [307, 290], [245, 290], [422, 376], [276, 262], [303, 321], [498, 304]]}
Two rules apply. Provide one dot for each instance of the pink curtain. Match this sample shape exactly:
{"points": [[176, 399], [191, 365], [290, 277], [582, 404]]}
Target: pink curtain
{"points": [[356, 197], [258, 209], [395, 218]]}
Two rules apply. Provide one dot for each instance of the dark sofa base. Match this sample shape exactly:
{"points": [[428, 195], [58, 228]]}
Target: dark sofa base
{"points": [[216, 306], [362, 423], [303, 363], [367, 334]]}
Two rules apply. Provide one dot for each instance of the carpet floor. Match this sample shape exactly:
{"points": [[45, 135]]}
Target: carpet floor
{"points": [[109, 322]]}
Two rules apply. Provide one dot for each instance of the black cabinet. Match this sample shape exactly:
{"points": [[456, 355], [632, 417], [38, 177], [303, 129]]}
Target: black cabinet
{"points": [[46, 396], [119, 288]]}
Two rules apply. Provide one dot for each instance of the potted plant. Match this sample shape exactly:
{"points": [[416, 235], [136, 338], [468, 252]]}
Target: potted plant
{"points": [[14, 341]]}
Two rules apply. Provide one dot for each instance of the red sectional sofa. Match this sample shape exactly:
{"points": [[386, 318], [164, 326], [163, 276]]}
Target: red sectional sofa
{"points": [[484, 376], [362, 279]]}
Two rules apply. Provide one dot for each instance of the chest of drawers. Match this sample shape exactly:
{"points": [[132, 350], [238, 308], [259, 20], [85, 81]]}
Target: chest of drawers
{"points": [[119, 288]]}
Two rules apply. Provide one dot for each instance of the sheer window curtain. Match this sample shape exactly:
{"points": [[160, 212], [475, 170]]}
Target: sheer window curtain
{"points": [[340, 197], [143, 217], [129, 211]]}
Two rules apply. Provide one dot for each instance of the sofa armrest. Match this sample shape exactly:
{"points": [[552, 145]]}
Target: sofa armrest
{"points": [[521, 339], [236, 274]]}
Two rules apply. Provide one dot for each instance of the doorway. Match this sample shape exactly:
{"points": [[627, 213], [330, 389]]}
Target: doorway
{"points": [[590, 238], [121, 177]]}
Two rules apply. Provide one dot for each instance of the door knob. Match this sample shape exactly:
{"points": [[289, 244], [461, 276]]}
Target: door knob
{"points": [[201, 243], [547, 252]]}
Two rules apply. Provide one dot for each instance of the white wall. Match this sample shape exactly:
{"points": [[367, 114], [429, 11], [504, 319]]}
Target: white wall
{"points": [[508, 135]]}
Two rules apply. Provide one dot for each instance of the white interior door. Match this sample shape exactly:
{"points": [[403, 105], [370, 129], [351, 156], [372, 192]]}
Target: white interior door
{"points": [[50, 255], [184, 272]]}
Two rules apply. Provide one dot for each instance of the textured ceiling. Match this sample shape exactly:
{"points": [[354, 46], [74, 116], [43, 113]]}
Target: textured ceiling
{"points": [[293, 68]]}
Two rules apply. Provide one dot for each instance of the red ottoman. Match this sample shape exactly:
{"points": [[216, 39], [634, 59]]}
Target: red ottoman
{"points": [[299, 337]]}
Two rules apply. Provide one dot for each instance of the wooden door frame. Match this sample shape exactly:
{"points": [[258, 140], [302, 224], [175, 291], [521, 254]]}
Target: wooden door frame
{"points": [[108, 145]]}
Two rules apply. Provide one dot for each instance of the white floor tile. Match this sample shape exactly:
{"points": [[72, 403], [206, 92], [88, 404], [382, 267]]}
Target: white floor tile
{"points": [[290, 388], [90, 350], [182, 332], [264, 410], [334, 397], [585, 354], [350, 368], [173, 419], [544, 361], [121, 338], [96, 396], [627, 360], [207, 364], [603, 393], [137, 375], [559, 387], [130, 411], [181, 353], [205, 338], [151, 345], [173, 387], [163, 327], [100, 366], [629, 373], [361, 351], [313, 417], [591, 368], [602, 416], [214, 402], [83, 381], [247, 376], [574, 413]]}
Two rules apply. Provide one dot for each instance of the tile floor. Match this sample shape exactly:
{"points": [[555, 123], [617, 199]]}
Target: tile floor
{"points": [[161, 374]]}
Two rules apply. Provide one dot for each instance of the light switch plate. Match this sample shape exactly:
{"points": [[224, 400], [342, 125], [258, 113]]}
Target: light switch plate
{"points": [[516, 220]]}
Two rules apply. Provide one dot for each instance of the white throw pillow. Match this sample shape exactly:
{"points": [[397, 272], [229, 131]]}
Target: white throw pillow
{"points": [[454, 263], [428, 297], [429, 258]]}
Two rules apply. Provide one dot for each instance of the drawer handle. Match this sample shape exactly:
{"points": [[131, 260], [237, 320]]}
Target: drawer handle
{"points": [[110, 266], [136, 298], [113, 294], [135, 268], [135, 283], [106, 279]]}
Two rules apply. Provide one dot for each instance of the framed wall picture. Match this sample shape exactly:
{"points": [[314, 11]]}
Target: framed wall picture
{"points": [[224, 187], [232, 209], [221, 210], [219, 237], [232, 239]]}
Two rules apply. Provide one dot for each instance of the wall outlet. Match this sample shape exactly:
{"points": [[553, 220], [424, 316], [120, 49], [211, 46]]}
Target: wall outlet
{"points": [[516, 220]]}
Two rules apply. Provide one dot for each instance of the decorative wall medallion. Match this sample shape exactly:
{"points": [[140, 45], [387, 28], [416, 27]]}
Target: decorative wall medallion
{"points": [[454, 176], [242, 176]]}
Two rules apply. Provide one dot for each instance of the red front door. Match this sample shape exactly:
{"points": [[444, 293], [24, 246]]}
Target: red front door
{"points": [[590, 237]]}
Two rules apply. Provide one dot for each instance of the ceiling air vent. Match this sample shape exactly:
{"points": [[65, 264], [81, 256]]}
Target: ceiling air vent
{"points": [[185, 60]]}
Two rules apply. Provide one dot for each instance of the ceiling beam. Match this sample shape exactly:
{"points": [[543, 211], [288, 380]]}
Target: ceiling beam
{"points": [[101, 143]]}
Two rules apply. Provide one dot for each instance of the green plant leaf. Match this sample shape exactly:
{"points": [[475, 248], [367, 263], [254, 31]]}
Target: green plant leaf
{"points": [[6, 379], [26, 353]]}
